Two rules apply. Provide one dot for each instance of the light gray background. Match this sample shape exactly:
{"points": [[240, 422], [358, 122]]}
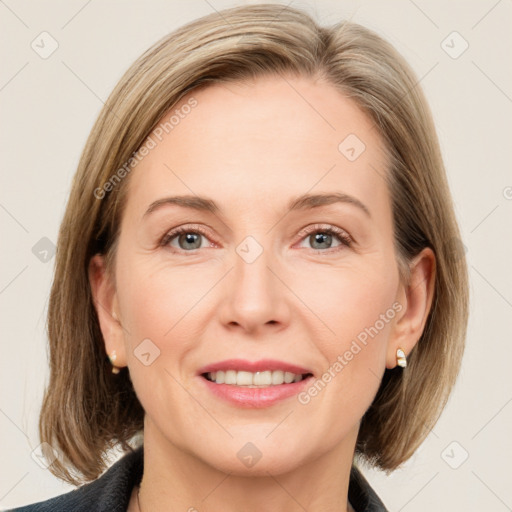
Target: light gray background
{"points": [[49, 106]]}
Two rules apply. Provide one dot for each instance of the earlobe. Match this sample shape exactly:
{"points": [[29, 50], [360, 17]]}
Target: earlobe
{"points": [[105, 303], [417, 299]]}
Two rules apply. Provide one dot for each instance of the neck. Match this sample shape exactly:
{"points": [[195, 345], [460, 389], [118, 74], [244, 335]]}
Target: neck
{"points": [[175, 479]]}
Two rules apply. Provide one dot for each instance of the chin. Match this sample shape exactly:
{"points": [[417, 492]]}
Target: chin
{"points": [[246, 458]]}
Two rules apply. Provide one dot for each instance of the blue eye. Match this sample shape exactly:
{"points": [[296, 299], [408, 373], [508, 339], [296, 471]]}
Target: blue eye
{"points": [[320, 236], [188, 238]]}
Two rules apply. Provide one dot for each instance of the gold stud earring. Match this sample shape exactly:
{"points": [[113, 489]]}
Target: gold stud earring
{"points": [[113, 357], [401, 360]]}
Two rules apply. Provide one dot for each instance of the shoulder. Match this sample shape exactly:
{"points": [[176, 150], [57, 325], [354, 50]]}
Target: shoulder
{"points": [[361, 495], [110, 492]]}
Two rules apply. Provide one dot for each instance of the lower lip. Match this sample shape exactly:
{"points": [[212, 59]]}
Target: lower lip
{"points": [[242, 396]]}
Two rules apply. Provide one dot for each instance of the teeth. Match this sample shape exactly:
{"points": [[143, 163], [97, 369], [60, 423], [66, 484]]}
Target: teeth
{"points": [[254, 380]]}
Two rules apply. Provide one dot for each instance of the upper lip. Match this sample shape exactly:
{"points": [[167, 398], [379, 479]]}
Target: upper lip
{"points": [[253, 366]]}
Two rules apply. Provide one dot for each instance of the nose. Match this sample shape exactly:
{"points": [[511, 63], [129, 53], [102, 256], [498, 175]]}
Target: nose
{"points": [[255, 297]]}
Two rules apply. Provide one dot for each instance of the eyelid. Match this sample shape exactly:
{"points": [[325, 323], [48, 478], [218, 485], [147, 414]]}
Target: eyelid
{"points": [[185, 228], [344, 237]]}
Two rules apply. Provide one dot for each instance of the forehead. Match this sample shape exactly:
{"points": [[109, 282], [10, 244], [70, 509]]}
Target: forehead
{"points": [[247, 143]]}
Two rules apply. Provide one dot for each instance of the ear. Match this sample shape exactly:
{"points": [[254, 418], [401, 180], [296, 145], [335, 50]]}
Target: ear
{"points": [[416, 298], [105, 301]]}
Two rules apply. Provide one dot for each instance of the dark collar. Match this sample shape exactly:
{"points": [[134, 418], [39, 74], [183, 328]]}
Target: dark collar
{"points": [[111, 492], [361, 495]]}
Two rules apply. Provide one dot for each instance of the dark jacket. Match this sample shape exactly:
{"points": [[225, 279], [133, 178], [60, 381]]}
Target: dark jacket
{"points": [[111, 491]]}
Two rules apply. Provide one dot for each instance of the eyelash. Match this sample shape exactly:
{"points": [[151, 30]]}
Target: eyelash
{"points": [[345, 239]]}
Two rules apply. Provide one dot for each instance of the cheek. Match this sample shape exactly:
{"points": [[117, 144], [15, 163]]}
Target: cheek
{"points": [[346, 300], [358, 308], [355, 359], [157, 304], [157, 298], [365, 313]]}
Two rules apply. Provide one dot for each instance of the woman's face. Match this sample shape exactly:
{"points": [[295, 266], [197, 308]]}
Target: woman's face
{"points": [[259, 275]]}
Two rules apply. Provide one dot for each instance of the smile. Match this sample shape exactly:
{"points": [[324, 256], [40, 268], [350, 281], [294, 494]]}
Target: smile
{"points": [[260, 379]]}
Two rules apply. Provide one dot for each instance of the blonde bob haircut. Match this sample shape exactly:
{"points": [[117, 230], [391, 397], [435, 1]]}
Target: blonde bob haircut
{"points": [[86, 409]]}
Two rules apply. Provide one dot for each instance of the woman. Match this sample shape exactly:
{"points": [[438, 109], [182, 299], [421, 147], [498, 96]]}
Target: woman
{"points": [[254, 273]]}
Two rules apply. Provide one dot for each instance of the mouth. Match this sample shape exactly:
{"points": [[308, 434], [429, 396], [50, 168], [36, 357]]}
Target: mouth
{"points": [[254, 384], [260, 379]]}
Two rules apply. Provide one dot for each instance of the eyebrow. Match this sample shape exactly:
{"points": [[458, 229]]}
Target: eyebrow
{"points": [[303, 202], [308, 201]]}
